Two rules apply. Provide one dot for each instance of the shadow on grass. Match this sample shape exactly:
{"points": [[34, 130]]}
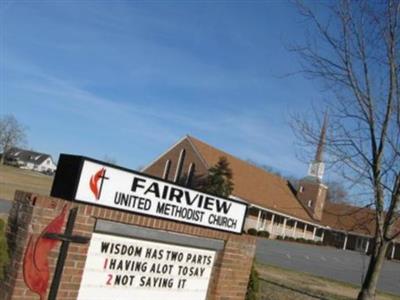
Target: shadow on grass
{"points": [[305, 293]]}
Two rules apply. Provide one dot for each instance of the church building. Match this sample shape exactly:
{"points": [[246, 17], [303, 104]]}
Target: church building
{"points": [[274, 204]]}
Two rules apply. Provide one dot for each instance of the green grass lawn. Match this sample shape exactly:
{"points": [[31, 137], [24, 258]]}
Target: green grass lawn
{"points": [[12, 179]]}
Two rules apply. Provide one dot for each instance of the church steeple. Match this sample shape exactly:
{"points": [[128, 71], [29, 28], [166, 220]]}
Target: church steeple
{"points": [[317, 166], [312, 192], [321, 143]]}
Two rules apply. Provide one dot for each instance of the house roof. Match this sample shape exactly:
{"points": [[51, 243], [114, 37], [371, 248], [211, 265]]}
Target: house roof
{"points": [[352, 219], [348, 218], [26, 156], [256, 185]]}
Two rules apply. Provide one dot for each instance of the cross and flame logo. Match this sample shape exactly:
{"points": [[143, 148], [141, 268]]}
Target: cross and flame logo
{"points": [[35, 263], [96, 182]]}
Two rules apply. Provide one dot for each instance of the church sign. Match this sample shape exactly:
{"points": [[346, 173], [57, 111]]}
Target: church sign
{"points": [[125, 268], [86, 180]]}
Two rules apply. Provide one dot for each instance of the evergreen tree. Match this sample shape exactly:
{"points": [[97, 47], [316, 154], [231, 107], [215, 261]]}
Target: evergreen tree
{"points": [[219, 180]]}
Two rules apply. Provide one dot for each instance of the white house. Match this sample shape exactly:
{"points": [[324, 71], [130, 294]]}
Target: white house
{"points": [[26, 159]]}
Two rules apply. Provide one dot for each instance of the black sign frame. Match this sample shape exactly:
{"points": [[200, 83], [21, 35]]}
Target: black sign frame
{"points": [[67, 177]]}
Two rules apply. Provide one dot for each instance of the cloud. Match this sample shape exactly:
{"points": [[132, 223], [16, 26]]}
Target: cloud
{"points": [[246, 134], [68, 96], [172, 80]]}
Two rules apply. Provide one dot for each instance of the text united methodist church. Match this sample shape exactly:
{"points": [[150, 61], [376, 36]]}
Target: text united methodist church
{"points": [[274, 204]]}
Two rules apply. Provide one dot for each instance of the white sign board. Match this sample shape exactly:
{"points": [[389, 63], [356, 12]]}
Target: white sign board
{"points": [[119, 268], [112, 187]]}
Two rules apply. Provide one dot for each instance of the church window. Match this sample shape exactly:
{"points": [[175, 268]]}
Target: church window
{"points": [[179, 166], [167, 167]]}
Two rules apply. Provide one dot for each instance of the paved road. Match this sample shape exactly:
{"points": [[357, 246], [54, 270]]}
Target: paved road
{"points": [[5, 206], [347, 266]]}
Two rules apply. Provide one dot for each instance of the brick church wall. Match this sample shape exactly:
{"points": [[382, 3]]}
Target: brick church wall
{"points": [[157, 168]]}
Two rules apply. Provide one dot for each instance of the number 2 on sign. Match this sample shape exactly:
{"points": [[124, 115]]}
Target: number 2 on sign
{"points": [[109, 279]]}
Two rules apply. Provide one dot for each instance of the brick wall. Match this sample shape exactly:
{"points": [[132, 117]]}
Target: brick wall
{"points": [[316, 192], [157, 168], [31, 213]]}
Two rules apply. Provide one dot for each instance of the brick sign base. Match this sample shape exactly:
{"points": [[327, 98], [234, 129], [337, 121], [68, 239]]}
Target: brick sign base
{"points": [[30, 214]]}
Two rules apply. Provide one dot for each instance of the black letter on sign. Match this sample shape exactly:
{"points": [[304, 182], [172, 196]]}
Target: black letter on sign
{"points": [[135, 184]]}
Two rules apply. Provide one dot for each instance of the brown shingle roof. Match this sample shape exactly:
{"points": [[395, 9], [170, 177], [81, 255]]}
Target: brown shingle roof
{"points": [[348, 218], [255, 185], [270, 191], [351, 218]]}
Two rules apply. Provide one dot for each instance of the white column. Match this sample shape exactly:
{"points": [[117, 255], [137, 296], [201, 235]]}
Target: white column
{"points": [[305, 230], [264, 221], [323, 235], [314, 232], [393, 250], [367, 246], [272, 224], [284, 227], [294, 229], [258, 219], [345, 242]]}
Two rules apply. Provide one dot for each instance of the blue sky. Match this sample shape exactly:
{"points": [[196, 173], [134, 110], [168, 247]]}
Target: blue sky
{"points": [[128, 79]]}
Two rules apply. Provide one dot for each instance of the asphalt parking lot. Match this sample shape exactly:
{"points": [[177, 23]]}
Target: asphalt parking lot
{"points": [[340, 265]]}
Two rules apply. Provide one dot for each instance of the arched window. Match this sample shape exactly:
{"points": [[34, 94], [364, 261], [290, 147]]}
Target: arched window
{"points": [[190, 174], [179, 165], [167, 167]]}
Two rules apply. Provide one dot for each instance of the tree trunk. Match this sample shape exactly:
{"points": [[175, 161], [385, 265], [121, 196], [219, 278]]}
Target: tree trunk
{"points": [[368, 289]]}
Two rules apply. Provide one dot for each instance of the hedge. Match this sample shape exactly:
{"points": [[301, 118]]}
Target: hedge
{"points": [[263, 233], [253, 284], [4, 258], [252, 231]]}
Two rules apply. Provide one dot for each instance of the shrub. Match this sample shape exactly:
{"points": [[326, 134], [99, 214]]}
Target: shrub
{"points": [[253, 284], [3, 249], [279, 237], [263, 233], [252, 231]]}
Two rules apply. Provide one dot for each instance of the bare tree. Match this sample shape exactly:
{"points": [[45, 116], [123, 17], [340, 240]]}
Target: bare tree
{"points": [[337, 193], [265, 167], [12, 133], [355, 52], [109, 159]]}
